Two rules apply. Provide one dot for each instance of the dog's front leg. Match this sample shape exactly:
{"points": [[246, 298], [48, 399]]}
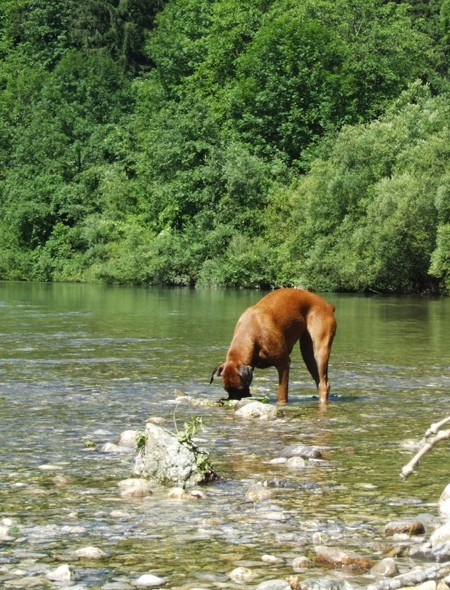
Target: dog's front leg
{"points": [[283, 381]]}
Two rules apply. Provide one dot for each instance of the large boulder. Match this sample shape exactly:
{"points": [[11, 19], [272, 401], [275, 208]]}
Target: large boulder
{"points": [[167, 461]]}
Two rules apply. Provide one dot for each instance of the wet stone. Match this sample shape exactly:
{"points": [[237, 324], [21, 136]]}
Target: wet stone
{"points": [[386, 568], [295, 463], [336, 557], [442, 552], [135, 488], [301, 563], [61, 574], [257, 411], [149, 581], [440, 536], [326, 583], [304, 451], [90, 553], [421, 551], [241, 575], [128, 439], [410, 527], [258, 492], [274, 585], [28, 582]]}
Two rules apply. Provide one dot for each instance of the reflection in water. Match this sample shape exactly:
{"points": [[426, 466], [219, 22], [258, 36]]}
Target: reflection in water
{"points": [[83, 362]]}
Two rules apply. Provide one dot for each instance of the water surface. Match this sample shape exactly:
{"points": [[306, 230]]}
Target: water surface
{"points": [[83, 363]]}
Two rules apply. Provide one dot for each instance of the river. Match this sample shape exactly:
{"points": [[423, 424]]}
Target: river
{"points": [[82, 363]]}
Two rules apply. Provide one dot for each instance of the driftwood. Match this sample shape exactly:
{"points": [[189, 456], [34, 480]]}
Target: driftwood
{"points": [[431, 438]]}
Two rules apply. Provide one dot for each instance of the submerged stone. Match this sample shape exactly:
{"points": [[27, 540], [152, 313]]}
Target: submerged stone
{"points": [[409, 527], [90, 553], [336, 557], [257, 411], [241, 575], [135, 488], [274, 585]]}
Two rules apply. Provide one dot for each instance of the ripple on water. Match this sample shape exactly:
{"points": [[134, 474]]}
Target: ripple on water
{"points": [[78, 368]]}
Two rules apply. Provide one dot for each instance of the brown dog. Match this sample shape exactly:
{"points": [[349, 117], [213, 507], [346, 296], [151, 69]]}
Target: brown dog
{"points": [[265, 336]]}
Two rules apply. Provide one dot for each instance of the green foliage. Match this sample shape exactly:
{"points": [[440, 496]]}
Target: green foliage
{"points": [[141, 439], [191, 428], [365, 217], [225, 142]]}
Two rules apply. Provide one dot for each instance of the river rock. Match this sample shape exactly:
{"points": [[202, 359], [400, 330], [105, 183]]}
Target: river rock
{"points": [[421, 551], [336, 557], [5, 533], [440, 536], [326, 583], [135, 488], [410, 527], [128, 439], [441, 552], [241, 575], [386, 568], [274, 585], [295, 463], [165, 460], [149, 581], [444, 502], [271, 559], [307, 452], [258, 492], [61, 574], [257, 411], [300, 563], [110, 447], [90, 553]]}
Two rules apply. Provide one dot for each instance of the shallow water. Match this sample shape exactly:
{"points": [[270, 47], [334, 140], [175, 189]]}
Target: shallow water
{"points": [[83, 363]]}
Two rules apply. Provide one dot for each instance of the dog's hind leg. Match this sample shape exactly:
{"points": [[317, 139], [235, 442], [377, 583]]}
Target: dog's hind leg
{"points": [[316, 354], [307, 350]]}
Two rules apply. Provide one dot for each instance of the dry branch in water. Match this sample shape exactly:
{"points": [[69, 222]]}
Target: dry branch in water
{"points": [[432, 436]]}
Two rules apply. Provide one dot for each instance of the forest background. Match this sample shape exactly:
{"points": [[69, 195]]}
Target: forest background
{"points": [[245, 143]]}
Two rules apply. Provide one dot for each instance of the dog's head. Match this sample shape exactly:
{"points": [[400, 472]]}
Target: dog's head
{"points": [[236, 379]]}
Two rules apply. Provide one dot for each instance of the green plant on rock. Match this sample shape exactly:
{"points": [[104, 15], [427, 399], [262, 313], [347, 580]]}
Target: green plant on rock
{"points": [[191, 428], [141, 439]]}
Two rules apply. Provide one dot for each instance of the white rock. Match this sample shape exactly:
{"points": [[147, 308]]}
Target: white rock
{"points": [[440, 536], [295, 463], [61, 574], [271, 559], [444, 502], [128, 439], [241, 575], [444, 508], [257, 411], [149, 580], [90, 552], [300, 563], [5, 533]]}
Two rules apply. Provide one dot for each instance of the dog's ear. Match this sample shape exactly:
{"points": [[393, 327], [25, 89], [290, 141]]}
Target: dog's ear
{"points": [[246, 373], [217, 372]]}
